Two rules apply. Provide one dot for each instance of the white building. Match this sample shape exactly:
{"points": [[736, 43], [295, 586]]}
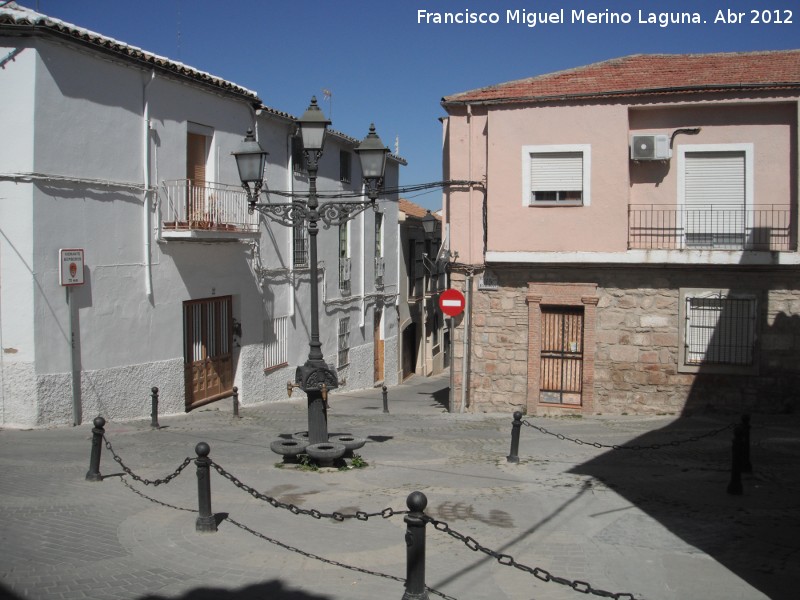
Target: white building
{"points": [[127, 155]]}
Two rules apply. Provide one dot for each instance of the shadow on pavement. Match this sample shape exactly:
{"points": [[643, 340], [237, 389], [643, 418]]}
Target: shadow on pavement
{"points": [[755, 535], [273, 590]]}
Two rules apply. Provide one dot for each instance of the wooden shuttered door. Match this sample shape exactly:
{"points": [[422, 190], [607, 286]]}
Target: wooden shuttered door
{"points": [[561, 368], [196, 154], [208, 350]]}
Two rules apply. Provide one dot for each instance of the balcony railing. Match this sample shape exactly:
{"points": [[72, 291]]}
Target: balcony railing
{"points": [[211, 207], [710, 227]]}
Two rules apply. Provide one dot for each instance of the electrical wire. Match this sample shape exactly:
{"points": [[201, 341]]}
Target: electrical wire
{"points": [[402, 190]]}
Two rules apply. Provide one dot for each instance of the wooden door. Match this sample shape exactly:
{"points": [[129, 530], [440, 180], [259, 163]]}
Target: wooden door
{"points": [[561, 367], [208, 343], [378, 346], [196, 157]]}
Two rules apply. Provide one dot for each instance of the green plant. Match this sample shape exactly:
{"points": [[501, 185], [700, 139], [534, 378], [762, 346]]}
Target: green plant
{"points": [[306, 464], [357, 462]]}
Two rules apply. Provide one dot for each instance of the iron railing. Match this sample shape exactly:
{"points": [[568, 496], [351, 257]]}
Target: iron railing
{"points": [[710, 227], [210, 207]]}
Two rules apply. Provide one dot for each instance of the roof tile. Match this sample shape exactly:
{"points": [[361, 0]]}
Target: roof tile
{"points": [[643, 74]]}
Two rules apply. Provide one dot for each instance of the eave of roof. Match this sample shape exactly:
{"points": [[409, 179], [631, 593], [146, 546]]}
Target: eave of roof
{"points": [[647, 75], [17, 20]]}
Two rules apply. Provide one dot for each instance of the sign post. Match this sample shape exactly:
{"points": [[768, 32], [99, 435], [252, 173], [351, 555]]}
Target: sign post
{"points": [[70, 270], [452, 303]]}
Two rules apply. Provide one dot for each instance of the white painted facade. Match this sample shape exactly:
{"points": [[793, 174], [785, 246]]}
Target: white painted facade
{"points": [[90, 136]]}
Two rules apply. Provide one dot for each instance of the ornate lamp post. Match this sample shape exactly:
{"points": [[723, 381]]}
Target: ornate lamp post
{"points": [[314, 377]]}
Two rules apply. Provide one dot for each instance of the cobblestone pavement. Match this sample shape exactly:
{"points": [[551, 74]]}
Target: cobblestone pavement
{"points": [[654, 523]]}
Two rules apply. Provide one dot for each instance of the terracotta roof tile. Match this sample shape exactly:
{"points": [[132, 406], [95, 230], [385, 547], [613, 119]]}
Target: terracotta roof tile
{"points": [[643, 74], [412, 210]]}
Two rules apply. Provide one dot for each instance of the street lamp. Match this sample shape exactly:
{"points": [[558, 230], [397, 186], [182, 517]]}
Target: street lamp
{"points": [[429, 224], [314, 377]]}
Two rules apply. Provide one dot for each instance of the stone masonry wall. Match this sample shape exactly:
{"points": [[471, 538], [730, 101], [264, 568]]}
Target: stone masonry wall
{"points": [[637, 337]]}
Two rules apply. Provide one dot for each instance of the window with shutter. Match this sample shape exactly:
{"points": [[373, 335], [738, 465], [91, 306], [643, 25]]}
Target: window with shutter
{"points": [[714, 198], [556, 175]]}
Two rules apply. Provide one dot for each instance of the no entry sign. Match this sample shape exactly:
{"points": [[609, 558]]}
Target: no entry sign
{"points": [[452, 302]]}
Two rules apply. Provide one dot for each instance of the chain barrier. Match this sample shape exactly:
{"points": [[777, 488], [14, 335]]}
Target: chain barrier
{"points": [[155, 482], [335, 563], [284, 545], [153, 500], [673, 443], [296, 510], [508, 561]]}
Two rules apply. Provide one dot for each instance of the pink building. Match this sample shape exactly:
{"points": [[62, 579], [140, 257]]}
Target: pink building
{"points": [[634, 246]]}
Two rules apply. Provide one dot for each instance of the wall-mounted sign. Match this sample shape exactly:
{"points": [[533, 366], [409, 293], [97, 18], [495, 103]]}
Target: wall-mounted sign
{"points": [[70, 261]]}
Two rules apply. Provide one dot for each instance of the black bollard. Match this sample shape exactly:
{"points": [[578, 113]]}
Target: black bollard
{"points": [[385, 399], [154, 408], [93, 474], [747, 466], [735, 485], [236, 402], [205, 519], [415, 547], [513, 457]]}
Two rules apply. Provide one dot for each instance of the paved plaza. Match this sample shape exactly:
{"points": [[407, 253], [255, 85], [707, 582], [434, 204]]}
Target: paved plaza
{"points": [[653, 521]]}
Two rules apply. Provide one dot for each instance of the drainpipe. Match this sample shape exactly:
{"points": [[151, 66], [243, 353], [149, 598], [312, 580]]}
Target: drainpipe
{"points": [[467, 344], [468, 280], [147, 224], [290, 253], [363, 318]]}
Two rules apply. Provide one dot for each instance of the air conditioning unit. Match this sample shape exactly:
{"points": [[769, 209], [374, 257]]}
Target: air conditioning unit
{"points": [[380, 267], [649, 146]]}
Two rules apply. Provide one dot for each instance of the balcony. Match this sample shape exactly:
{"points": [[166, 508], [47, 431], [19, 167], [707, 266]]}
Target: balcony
{"points": [[209, 212], [764, 228]]}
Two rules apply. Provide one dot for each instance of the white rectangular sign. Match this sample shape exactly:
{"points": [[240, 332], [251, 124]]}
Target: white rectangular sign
{"points": [[70, 261]]}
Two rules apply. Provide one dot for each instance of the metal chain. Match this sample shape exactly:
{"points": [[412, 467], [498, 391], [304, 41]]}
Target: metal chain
{"points": [[673, 443], [328, 560], [509, 561], [155, 482], [294, 509], [282, 544], [153, 500]]}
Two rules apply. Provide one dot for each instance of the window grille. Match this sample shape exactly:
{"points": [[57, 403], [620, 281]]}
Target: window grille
{"points": [[720, 330], [276, 343], [344, 342], [300, 244]]}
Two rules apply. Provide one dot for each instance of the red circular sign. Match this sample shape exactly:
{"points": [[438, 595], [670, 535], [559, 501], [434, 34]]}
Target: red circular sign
{"points": [[452, 302]]}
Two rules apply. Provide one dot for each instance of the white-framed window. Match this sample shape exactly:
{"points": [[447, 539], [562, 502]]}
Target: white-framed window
{"points": [[715, 195], [343, 344], [344, 166], [276, 343], [556, 175], [300, 244], [345, 263], [718, 331], [380, 263]]}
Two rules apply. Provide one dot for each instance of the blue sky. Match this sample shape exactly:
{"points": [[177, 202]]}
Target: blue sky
{"points": [[381, 64]]}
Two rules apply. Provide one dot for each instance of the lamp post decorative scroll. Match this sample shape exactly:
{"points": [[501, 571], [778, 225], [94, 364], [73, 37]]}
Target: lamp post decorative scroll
{"points": [[315, 377]]}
